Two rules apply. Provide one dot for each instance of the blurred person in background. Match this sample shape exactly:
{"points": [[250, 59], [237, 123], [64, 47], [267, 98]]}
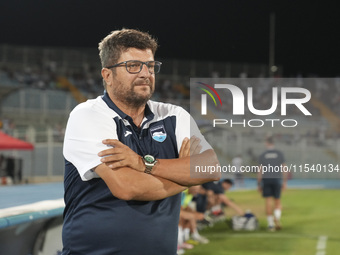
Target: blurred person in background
{"points": [[217, 198], [237, 162], [271, 182], [189, 217]]}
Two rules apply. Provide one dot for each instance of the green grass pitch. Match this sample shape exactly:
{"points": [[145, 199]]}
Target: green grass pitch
{"points": [[306, 215]]}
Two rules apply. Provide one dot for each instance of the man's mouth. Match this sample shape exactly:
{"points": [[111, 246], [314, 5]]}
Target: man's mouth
{"points": [[143, 83]]}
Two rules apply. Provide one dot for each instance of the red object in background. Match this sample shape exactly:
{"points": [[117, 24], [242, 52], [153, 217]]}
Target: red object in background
{"points": [[10, 143]]}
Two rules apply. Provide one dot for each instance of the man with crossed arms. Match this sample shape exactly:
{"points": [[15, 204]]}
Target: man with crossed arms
{"points": [[127, 158]]}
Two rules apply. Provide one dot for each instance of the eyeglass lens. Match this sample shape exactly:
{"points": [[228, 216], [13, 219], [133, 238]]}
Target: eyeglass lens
{"points": [[136, 66]]}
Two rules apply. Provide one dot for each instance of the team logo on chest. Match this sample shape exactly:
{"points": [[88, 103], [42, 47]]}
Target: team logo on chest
{"points": [[158, 133]]}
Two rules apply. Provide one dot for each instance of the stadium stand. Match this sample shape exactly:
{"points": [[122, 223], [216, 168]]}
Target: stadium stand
{"points": [[40, 86]]}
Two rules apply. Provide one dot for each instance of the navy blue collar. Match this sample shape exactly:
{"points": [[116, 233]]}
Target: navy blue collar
{"points": [[147, 112]]}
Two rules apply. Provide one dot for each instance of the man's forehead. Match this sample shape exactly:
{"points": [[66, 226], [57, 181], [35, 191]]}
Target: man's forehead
{"points": [[136, 54]]}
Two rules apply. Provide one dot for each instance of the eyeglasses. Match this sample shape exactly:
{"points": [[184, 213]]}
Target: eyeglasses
{"points": [[135, 66]]}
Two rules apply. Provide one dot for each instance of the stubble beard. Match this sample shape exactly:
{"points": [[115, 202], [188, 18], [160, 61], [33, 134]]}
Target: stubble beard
{"points": [[131, 98]]}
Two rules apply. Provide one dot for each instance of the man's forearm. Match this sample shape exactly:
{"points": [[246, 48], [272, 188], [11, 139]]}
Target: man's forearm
{"points": [[183, 170], [223, 199], [128, 184], [161, 189]]}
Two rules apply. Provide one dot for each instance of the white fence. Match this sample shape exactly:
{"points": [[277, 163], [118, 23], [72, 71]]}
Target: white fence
{"points": [[47, 159]]}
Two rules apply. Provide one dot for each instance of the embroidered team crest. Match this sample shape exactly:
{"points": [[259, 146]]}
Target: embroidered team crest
{"points": [[158, 133]]}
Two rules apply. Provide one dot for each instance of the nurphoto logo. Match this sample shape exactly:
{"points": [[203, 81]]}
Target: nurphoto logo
{"points": [[244, 101], [236, 115]]}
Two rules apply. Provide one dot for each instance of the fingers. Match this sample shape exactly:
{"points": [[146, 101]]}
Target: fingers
{"points": [[115, 157], [109, 152], [117, 161], [195, 145], [190, 147], [113, 142], [120, 155], [115, 146], [185, 148], [118, 164]]}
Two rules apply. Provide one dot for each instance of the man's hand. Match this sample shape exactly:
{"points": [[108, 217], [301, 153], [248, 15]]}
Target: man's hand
{"points": [[190, 147], [121, 155]]}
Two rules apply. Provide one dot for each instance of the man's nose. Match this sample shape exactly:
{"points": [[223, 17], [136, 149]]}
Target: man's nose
{"points": [[145, 71]]}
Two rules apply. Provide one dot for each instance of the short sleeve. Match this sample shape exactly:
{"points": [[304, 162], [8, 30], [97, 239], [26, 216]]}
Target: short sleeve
{"points": [[186, 126], [85, 131]]}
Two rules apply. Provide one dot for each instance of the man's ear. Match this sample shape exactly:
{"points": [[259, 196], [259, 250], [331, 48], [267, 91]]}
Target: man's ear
{"points": [[107, 76]]}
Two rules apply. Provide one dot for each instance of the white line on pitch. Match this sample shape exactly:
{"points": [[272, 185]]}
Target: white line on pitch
{"points": [[321, 245], [263, 235]]}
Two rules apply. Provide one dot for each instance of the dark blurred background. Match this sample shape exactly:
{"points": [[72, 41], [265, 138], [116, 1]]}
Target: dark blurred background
{"points": [[306, 32]]}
